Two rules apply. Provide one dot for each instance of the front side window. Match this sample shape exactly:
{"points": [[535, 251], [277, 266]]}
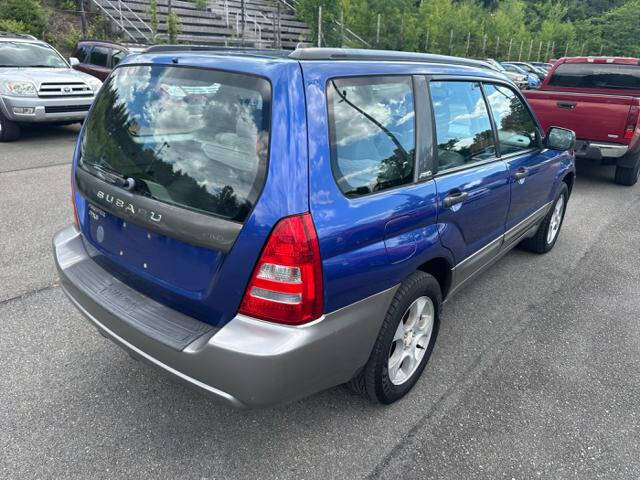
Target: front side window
{"points": [[515, 125], [23, 54], [463, 128], [189, 137], [596, 75], [99, 56], [82, 53], [372, 130]]}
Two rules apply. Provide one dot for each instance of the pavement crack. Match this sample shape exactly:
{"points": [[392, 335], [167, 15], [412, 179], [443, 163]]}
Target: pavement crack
{"points": [[28, 294], [35, 168]]}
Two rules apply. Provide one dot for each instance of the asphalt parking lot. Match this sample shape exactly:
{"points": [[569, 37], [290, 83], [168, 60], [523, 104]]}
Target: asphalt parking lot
{"points": [[535, 373]]}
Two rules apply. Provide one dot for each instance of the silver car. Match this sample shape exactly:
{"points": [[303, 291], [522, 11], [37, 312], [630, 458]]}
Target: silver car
{"points": [[38, 85]]}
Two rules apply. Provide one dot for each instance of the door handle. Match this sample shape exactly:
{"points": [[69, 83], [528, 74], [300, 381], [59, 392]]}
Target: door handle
{"points": [[454, 199], [521, 173], [569, 105]]}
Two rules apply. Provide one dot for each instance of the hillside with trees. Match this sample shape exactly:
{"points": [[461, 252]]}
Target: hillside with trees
{"points": [[496, 28]]}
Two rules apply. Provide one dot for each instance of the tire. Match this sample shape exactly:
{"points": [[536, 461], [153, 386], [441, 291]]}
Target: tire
{"points": [[542, 241], [374, 380], [627, 176], [9, 131]]}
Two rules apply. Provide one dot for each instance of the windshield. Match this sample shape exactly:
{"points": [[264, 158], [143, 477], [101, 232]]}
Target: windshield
{"points": [[597, 75], [21, 54], [190, 137]]}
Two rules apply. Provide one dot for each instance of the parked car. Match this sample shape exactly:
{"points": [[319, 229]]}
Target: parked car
{"points": [[99, 57], [263, 226], [532, 79], [527, 67], [597, 97], [520, 79], [38, 86], [543, 65]]}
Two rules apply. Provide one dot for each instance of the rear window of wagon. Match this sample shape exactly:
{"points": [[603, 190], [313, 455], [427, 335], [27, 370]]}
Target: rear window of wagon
{"points": [[194, 138]]}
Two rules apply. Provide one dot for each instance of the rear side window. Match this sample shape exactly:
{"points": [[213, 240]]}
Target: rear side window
{"points": [[515, 125], [596, 75], [189, 137], [372, 133], [99, 56], [463, 129]]}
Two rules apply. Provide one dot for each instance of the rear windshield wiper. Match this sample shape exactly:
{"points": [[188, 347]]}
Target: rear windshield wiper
{"points": [[114, 177]]}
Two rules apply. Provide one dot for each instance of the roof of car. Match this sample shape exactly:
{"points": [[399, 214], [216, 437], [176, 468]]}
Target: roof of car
{"points": [[616, 60], [128, 46], [324, 54], [23, 37]]}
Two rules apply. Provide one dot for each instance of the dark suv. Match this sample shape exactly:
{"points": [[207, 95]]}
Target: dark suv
{"points": [[263, 225], [99, 57]]}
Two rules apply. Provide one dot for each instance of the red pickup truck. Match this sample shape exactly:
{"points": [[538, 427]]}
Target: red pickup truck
{"points": [[599, 99]]}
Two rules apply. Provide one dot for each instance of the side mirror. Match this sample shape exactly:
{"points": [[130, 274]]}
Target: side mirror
{"points": [[73, 61], [560, 139]]}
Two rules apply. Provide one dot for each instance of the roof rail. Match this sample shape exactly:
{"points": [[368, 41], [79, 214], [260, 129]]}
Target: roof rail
{"points": [[18, 35], [215, 49], [380, 55], [108, 42]]}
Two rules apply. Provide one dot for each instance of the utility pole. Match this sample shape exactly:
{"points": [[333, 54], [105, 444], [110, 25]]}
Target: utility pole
{"points": [[451, 42], [466, 53], [242, 22], [319, 25], [83, 18], [520, 53], [341, 26]]}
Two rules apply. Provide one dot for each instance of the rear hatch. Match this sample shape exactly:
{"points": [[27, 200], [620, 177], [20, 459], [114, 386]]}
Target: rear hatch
{"points": [[171, 163], [594, 99]]}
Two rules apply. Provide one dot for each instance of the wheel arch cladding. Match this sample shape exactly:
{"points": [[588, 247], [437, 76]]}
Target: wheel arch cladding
{"points": [[569, 179], [440, 269]]}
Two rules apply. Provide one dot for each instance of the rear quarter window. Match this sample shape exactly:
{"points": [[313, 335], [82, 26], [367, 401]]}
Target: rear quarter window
{"points": [[372, 133], [597, 76]]}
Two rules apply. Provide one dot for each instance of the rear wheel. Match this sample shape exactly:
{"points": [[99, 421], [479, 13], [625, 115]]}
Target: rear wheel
{"points": [[548, 231], [405, 341], [9, 131], [628, 176]]}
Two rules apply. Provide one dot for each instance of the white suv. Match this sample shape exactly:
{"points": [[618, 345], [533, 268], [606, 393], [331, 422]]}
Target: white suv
{"points": [[38, 85]]}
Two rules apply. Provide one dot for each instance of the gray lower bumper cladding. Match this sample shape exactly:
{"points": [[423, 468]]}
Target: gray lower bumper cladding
{"points": [[247, 362]]}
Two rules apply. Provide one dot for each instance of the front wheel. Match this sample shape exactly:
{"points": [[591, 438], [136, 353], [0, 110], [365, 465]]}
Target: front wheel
{"points": [[547, 235], [405, 341], [9, 131]]}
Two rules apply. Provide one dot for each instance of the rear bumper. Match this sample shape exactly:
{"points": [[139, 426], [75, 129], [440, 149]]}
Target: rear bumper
{"points": [[599, 150], [45, 109], [247, 362]]}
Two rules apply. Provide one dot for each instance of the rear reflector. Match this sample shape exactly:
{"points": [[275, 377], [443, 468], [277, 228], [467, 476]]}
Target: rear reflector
{"points": [[286, 284]]}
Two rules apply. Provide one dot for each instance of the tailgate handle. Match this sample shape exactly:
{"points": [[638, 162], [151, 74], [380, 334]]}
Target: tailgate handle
{"points": [[569, 105]]}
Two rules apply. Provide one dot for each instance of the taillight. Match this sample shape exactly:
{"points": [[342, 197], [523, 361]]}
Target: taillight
{"points": [[73, 202], [286, 284], [632, 122]]}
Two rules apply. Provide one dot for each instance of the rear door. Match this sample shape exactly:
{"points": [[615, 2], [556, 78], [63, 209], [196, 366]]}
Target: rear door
{"points": [[472, 182], [531, 171]]}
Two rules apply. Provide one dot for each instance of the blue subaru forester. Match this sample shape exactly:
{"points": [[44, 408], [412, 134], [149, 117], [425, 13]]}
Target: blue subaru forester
{"points": [[264, 225]]}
